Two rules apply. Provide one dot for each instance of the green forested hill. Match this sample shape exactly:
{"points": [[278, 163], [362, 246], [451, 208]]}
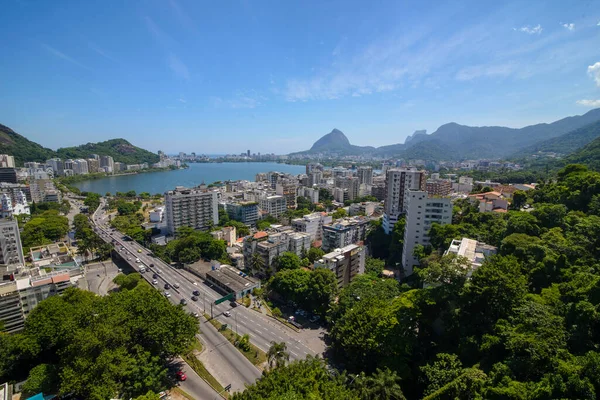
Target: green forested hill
{"points": [[21, 148], [566, 143], [588, 155], [25, 150], [120, 149]]}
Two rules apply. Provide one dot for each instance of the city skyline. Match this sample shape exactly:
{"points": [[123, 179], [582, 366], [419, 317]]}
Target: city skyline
{"points": [[276, 77]]}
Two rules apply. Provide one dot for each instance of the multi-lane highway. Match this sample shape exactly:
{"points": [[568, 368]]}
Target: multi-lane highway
{"points": [[262, 329], [236, 366]]}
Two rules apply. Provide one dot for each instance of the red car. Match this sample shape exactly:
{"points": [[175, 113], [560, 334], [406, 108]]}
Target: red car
{"points": [[181, 376]]}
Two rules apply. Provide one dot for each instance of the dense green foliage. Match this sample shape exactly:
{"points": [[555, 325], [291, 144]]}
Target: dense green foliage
{"points": [[88, 241], [119, 345], [191, 246], [22, 149], [525, 325], [306, 379], [288, 260], [119, 149], [25, 150], [44, 228], [567, 143], [310, 290], [588, 155], [131, 225], [38, 208]]}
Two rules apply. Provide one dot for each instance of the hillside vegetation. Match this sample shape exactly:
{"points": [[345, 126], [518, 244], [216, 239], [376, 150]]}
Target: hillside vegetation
{"points": [[25, 150], [21, 148], [120, 150]]}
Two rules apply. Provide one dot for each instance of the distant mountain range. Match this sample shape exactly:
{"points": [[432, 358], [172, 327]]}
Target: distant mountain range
{"points": [[453, 141], [25, 150]]}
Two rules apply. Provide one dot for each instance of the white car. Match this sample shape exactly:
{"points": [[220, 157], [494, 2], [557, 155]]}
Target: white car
{"points": [[155, 282], [227, 314], [167, 294]]}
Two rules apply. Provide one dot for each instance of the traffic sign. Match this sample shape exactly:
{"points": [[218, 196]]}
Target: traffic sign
{"points": [[230, 296]]}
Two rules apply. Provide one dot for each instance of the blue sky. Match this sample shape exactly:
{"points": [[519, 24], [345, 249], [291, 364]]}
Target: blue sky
{"points": [[274, 76]]}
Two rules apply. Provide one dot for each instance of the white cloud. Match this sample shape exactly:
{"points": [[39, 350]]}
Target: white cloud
{"points": [[62, 56], [182, 100], [178, 67], [594, 72], [589, 103], [570, 26], [478, 71], [530, 30]]}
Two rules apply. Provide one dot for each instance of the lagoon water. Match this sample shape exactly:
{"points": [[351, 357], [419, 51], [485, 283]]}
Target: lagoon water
{"points": [[159, 182]]}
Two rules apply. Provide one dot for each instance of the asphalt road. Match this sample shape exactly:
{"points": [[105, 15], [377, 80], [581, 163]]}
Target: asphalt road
{"points": [[196, 386], [262, 329], [240, 370]]}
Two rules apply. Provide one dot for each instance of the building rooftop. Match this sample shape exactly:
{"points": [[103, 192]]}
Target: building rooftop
{"points": [[231, 277]]}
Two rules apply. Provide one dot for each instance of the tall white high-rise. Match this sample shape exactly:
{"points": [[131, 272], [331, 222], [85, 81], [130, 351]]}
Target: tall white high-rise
{"points": [[397, 184], [365, 175], [198, 209], [421, 212]]}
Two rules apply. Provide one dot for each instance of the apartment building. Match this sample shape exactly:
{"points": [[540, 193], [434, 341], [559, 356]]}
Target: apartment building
{"points": [[13, 189], [349, 184], [309, 193], [314, 178], [57, 166], [365, 175], [8, 175], [438, 187], [344, 232], [7, 161], [269, 246], [399, 181], [245, 212], [93, 165], [345, 263], [312, 224], [11, 250], [80, 167], [11, 312], [274, 205], [421, 212], [108, 163], [287, 188], [43, 190], [194, 208], [313, 167]]}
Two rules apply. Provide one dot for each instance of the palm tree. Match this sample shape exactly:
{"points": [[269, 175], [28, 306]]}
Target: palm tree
{"points": [[257, 262], [278, 354], [383, 384]]}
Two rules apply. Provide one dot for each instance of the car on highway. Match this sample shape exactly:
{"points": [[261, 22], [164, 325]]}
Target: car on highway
{"points": [[167, 286], [196, 293], [227, 314], [183, 302], [151, 265], [155, 282], [159, 271], [176, 285], [154, 276], [195, 314], [194, 298], [140, 251], [233, 304], [137, 260], [181, 376], [167, 294]]}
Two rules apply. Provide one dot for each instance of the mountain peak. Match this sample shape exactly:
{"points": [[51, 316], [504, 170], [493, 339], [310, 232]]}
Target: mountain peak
{"points": [[334, 140]]}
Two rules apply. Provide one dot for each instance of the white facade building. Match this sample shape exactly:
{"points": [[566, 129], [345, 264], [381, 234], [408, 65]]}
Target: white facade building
{"points": [[80, 167], [191, 207], [312, 224], [273, 205], [398, 183], [7, 161], [421, 212]]}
